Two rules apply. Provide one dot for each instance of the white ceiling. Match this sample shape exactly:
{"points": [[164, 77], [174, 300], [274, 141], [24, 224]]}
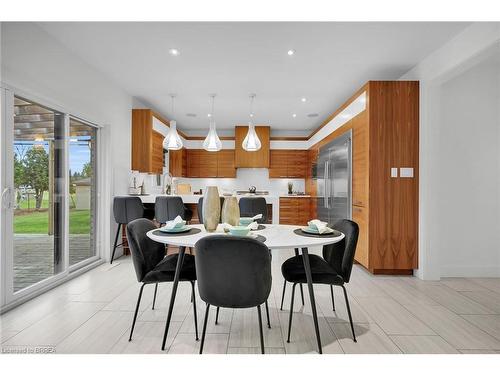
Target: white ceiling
{"points": [[331, 62]]}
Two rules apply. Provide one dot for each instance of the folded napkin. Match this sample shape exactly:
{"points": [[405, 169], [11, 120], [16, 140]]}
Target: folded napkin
{"points": [[252, 226], [321, 226], [257, 217], [174, 223]]}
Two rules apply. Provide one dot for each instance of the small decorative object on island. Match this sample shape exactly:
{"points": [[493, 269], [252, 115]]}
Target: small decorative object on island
{"points": [[211, 208], [290, 187], [231, 211]]}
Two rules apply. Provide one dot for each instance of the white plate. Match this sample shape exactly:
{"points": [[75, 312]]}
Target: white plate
{"points": [[315, 231], [185, 228]]}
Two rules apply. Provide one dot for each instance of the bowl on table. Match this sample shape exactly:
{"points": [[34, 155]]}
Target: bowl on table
{"points": [[239, 231], [246, 220]]}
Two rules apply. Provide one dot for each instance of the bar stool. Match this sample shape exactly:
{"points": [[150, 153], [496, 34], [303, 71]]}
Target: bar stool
{"points": [[168, 208], [250, 207], [125, 210]]}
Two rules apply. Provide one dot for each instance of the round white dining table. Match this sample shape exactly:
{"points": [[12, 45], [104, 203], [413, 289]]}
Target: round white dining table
{"points": [[277, 236]]}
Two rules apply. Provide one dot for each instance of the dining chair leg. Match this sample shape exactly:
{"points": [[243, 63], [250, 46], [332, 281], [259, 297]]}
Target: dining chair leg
{"points": [[301, 289], [349, 313], [204, 328], [193, 300], [217, 315], [312, 300], [291, 313], [260, 329], [115, 246], [333, 298], [283, 295], [180, 260], [136, 311], [154, 297], [267, 314]]}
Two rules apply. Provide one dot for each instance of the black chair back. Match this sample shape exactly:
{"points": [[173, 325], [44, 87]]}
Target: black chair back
{"points": [[167, 208], [200, 209], [250, 207], [146, 253], [127, 209], [233, 272], [340, 255]]}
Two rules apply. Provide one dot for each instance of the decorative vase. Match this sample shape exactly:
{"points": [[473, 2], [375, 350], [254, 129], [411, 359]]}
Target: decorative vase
{"points": [[211, 208], [231, 211]]}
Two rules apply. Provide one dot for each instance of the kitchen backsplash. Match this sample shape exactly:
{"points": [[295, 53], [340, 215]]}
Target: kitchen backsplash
{"points": [[245, 177]]}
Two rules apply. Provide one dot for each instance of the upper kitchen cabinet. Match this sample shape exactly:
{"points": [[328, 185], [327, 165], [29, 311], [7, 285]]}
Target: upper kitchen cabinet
{"points": [[288, 164], [254, 159], [202, 164], [178, 162], [147, 144]]}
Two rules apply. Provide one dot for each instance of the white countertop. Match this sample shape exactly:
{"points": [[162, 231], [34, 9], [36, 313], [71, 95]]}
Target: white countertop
{"points": [[194, 198]]}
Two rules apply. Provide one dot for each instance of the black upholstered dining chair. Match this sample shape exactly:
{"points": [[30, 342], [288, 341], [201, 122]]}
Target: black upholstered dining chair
{"points": [[168, 208], [333, 269], [251, 206], [200, 209], [153, 267], [233, 272], [125, 210]]}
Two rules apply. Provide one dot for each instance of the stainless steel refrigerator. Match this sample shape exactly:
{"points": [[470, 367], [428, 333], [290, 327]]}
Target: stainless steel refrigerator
{"points": [[333, 172]]}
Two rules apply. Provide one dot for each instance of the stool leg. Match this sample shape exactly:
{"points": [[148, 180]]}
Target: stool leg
{"points": [[116, 240], [154, 297]]}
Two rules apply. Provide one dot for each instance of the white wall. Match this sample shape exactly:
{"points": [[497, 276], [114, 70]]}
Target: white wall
{"points": [[40, 68], [455, 57], [467, 184]]}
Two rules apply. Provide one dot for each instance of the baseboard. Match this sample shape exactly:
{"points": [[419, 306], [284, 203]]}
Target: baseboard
{"points": [[470, 271]]}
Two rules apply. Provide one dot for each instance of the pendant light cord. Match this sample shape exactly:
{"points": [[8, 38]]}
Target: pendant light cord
{"points": [[252, 97]]}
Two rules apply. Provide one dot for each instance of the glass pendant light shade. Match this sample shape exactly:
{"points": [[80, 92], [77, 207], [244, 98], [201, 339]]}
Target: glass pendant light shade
{"points": [[251, 141], [212, 141], [172, 141]]}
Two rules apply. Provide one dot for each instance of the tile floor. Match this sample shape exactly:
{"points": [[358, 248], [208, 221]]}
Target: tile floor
{"points": [[93, 313]]}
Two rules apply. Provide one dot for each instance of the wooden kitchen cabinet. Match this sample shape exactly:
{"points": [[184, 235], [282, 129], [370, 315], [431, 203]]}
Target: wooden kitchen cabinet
{"points": [[204, 164], [178, 162], [225, 164], [147, 144], [385, 135], [294, 210], [254, 159], [288, 164]]}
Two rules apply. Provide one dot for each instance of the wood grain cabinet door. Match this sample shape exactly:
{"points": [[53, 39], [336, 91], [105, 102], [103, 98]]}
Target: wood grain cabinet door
{"points": [[360, 216], [157, 153], [177, 162], [360, 160], [278, 167], [297, 164], [192, 163], [289, 211], [207, 163], [304, 211], [225, 164]]}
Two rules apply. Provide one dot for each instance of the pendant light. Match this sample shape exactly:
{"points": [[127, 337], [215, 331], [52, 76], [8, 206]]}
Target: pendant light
{"points": [[172, 141], [212, 141], [251, 141]]}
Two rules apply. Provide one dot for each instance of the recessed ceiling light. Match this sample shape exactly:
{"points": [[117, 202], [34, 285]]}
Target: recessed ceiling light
{"points": [[209, 115], [174, 52], [191, 114], [303, 100], [294, 115], [312, 115], [291, 52]]}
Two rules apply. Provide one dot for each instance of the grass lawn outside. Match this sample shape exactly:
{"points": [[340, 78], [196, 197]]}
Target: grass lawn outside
{"points": [[37, 222], [45, 201]]}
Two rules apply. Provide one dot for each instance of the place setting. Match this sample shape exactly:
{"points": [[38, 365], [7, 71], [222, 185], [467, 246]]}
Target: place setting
{"points": [[176, 227], [317, 229], [245, 228]]}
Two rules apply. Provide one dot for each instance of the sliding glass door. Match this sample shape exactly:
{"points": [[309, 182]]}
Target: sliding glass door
{"points": [[49, 195], [82, 191]]}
